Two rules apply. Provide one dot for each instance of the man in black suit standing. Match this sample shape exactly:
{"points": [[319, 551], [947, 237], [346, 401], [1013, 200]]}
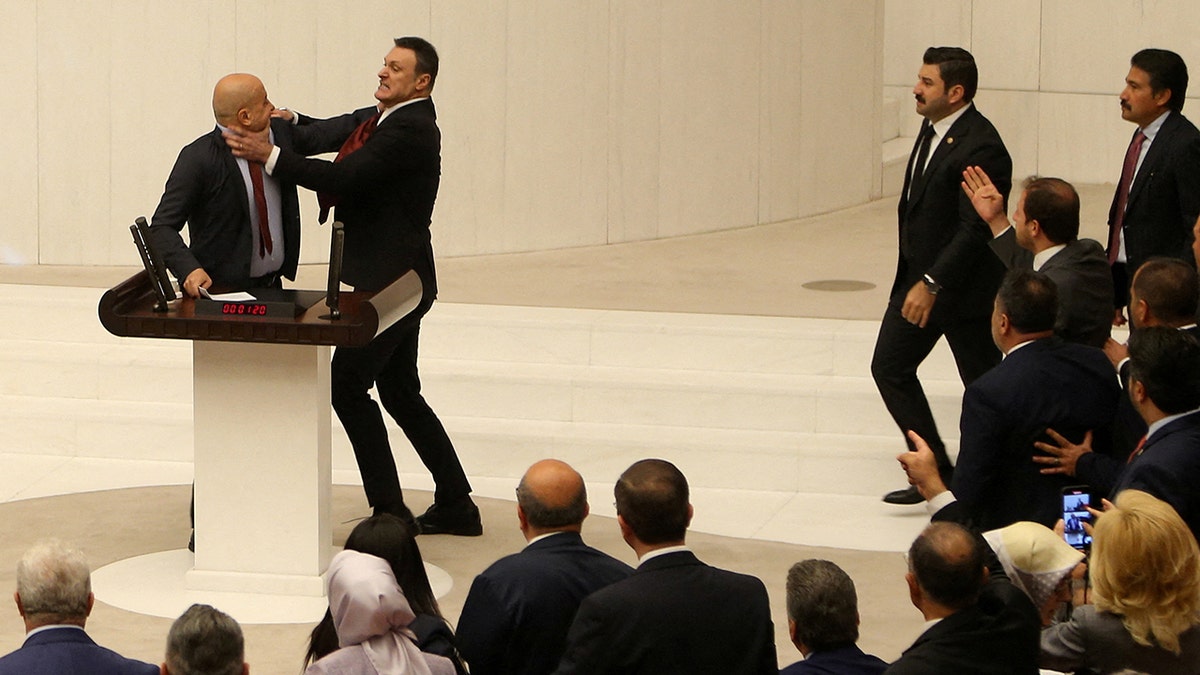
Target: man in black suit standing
{"points": [[517, 613], [1042, 382], [1157, 199], [983, 623], [946, 277], [1164, 387], [1044, 236], [383, 185], [675, 615], [223, 201]]}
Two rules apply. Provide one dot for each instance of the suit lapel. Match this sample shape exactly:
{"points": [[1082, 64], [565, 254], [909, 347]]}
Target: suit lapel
{"points": [[233, 175], [957, 131]]}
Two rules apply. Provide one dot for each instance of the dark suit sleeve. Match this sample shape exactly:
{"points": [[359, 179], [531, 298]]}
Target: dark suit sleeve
{"points": [[484, 630], [316, 136], [957, 263], [397, 146], [1010, 252], [984, 432], [589, 642], [184, 189]]}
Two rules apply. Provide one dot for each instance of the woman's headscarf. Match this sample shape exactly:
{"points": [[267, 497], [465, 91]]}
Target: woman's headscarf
{"points": [[1034, 557]]}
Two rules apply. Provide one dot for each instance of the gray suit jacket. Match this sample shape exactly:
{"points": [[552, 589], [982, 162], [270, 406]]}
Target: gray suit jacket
{"points": [[1084, 281], [1098, 640]]}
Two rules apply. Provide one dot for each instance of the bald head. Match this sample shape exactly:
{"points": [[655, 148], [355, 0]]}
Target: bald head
{"points": [[552, 497], [240, 100], [948, 562]]}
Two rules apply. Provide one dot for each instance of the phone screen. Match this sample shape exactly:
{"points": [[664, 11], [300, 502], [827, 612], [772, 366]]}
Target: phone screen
{"points": [[1075, 501]]}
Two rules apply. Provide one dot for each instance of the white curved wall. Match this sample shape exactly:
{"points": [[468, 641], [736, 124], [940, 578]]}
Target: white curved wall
{"points": [[565, 122]]}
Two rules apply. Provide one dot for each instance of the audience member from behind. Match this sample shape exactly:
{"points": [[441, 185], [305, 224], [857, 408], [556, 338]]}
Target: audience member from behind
{"points": [[388, 537], [205, 641], [518, 610], [823, 620], [373, 620], [674, 615], [977, 622], [1145, 570], [54, 597]]}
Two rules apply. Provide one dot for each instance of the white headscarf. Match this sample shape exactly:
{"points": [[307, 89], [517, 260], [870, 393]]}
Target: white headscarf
{"points": [[370, 610], [1034, 557]]}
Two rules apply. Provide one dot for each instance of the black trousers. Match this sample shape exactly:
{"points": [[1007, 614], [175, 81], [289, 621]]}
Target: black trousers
{"points": [[389, 362], [902, 346]]}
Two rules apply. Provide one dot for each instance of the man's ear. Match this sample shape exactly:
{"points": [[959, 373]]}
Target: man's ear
{"points": [[914, 590], [956, 93], [422, 83], [20, 607]]}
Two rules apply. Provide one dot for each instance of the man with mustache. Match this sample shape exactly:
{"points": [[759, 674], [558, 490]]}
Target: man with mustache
{"points": [[1158, 195], [946, 276]]}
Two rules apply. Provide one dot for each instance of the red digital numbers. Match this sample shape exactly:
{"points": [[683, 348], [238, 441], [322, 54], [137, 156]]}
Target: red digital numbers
{"points": [[243, 308]]}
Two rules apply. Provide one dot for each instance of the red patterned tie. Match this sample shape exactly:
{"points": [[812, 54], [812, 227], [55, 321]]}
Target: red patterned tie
{"points": [[1127, 169], [260, 203], [1136, 451], [356, 141]]}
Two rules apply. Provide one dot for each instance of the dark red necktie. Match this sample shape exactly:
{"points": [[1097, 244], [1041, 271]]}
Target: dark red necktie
{"points": [[1136, 451], [356, 141], [1127, 169], [260, 204]]}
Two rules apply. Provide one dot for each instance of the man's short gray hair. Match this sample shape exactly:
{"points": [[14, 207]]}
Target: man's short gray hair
{"points": [[205, 641], [54, 582], [822, 602]]}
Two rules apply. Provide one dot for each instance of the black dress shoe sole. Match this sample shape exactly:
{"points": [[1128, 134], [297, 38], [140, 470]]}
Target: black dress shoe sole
{"points": [[905, 497], [474, 529]]}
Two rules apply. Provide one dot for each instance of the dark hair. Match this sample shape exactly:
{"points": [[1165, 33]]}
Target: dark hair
{"points": [[545, 516], [1170, 288], [652, 497], [1167, 363], [205, 641], [1029, 299], [822, 602], [948, 562], [385, 536], [956, 66], [427, 56], [1167, 71], [1054, 204]]}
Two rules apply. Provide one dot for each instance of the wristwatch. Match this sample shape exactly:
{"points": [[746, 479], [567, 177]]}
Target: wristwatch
{"points": [[930, 285]]}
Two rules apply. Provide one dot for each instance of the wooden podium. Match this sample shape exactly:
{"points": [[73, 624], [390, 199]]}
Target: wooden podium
{"points": [[261, 420]]}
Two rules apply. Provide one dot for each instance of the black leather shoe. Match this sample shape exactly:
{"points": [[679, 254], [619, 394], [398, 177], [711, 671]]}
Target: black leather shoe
{"points": [[908, 495], [460, 518]]}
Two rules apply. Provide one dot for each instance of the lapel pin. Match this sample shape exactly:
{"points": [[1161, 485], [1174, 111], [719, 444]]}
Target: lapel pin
{"points": [[949, 140]]}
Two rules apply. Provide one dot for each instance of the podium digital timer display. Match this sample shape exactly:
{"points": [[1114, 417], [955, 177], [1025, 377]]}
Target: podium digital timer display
{"points": [[250, 308]]}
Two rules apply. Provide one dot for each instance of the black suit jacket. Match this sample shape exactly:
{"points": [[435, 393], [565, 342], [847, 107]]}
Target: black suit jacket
{"points": [[1169, 468], [675, 615], [1164, 199], [517, 613], [386, 190], [1085, 286], [206, 191], [940, 233], [1048, 383], [68, 650]]}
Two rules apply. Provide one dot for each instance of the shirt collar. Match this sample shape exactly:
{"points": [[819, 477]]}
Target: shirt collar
{"points": [[662, 551], [1042, 258], [388, 111], [540, 537], [943, 125], [40, 629], [1150, 130], [1153, 429]]}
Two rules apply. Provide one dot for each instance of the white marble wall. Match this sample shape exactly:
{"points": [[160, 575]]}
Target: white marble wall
{"points": [[1050, 70], [565, 123]]}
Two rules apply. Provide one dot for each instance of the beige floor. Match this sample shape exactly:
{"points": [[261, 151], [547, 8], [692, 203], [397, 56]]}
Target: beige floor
{"points": [[755, 271]]}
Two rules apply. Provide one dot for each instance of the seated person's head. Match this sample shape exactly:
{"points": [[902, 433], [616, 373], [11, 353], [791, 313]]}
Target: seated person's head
{"points": [[54, 585], [652, 500], [946, 568], [551, 496], [205, 641], [1166, 290], [1145, 567], [822, 607]]}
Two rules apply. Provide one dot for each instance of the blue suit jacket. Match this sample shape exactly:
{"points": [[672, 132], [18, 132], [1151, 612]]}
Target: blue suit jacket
{"points": [[1169, 468], [517, 613], [1048, 383], [67, 651], [842, 661], [674, 615]]}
